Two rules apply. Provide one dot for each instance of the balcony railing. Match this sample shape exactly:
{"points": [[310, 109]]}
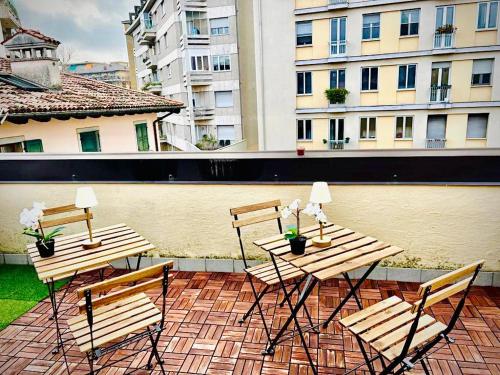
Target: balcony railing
{"points": [[204, 113], [199, 78], [338, 48], [339, 2], [444, 40], [336, 145], [440, 94], [435, 143]]}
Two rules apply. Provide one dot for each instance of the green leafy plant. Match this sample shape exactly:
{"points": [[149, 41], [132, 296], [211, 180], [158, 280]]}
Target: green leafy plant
{"points": [[147, 85], [337, 95], [41, 236], [291, 233], [446, 29], [207, 142], [31, 221]]}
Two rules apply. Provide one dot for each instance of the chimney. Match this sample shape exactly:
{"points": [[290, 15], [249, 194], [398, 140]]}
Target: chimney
{"points": [[33, 57]]}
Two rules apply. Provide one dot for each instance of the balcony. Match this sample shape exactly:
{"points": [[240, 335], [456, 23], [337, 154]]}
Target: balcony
{"points": [[336, 145], [151, 61], [440, 94], [203, 113], [337, 4], [435, 143], [444, 40], [338, 48], [153, 87], [198, 78], [147, 33]]}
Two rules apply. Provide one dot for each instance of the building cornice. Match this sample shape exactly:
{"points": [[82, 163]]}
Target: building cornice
{"points": [[398, 55], [398, 107]]}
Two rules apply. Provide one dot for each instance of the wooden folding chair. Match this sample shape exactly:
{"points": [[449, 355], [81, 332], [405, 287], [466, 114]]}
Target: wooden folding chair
{"points": [[127, 314], [266, 272], [402, 334]]}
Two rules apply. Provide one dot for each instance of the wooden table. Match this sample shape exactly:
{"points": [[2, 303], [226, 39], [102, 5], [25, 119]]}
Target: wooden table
{"points": [[348, 251], [70, 258]]}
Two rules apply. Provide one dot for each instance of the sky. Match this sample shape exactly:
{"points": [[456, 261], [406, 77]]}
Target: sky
{"points": [[92, 29]]}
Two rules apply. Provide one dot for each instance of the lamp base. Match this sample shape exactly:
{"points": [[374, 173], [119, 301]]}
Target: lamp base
{"points": [[322, 242], [87, 244]]}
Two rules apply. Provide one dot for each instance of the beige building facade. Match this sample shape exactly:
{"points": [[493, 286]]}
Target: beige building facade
{"points": [[419, 74]]}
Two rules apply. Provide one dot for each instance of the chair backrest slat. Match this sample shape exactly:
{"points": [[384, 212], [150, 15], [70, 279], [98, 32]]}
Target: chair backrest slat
{"points": [[443, 294], [256, 219], [145, 273], [255, 207], [60, 209], [449, 277], [44, 223]]}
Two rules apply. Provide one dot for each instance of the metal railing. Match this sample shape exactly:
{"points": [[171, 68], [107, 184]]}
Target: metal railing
{"points": [[338, 47], [444, 40], [435, 143], [339, 2], [336, 145], [440, 94]]}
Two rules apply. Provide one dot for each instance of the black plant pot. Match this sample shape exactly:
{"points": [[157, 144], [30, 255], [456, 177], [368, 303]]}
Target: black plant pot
{"points": [[298, 245], [46, 249]]}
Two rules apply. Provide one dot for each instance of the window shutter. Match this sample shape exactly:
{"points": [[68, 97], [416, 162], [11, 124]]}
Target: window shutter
{"points": [[225, 132], [141, 131], [304, 28], [219, 22], [476, 126], [33, 145], [482, 66]]}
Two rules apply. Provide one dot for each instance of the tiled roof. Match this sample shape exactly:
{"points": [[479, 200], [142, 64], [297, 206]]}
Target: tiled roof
{"points": [[79, 95], [34, 33]]}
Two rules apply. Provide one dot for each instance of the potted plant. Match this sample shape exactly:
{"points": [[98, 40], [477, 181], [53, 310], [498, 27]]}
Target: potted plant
{"points": [[446, 29], [336, 95], [298, 241], [31, 221]]}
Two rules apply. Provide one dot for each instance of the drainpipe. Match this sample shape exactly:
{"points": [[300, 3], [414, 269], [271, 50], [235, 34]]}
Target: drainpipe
{"points": [[155, 129]]}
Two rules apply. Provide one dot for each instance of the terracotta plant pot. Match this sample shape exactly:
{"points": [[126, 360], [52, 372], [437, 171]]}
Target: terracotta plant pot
{"points": [[298, 245], [300, 151], [46, 249]]}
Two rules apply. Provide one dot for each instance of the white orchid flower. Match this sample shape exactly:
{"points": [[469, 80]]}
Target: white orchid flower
{"points": [[25, 217], [311, 209], [321, 217], [294, 205], [37, 209], [286, 212], [35, 225]]}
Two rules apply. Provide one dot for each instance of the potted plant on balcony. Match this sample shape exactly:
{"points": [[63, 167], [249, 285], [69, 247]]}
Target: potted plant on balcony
{"points": [[31, 221], [446, 29], [298, 241], [336, 95]]}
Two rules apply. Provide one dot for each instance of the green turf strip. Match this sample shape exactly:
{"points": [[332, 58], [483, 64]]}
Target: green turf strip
{"points": [[20, 290]]}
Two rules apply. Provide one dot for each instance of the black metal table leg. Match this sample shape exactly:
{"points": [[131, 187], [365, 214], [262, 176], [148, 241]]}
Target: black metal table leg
{"points": [[352, 291], [355, 295]]}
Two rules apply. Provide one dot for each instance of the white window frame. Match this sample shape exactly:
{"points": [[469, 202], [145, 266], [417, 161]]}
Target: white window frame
{"points": [[218, 59], [369, 78], [368, 128], [304, 81], [338, 77], [195, 57], [371, 26], [339, 44], [487, 16], [225, 29], [410, 18], [304, 130], [405, 117], [297, 34], [406, 81], [486, 130], [492, 60]]}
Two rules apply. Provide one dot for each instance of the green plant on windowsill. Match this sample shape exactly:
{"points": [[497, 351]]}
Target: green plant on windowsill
{"points": [[207, 142], [147, 85], [336, 95], [446, 29]]}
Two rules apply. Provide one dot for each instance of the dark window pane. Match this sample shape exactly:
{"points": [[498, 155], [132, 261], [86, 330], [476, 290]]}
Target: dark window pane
{"points": [[481, 19], [308, 79], [411, 76], [376, 31], [342, 78], [404, 29], [413, 28], [475, 79], [340, 122], [399, 127], [363, 128], [300, 83], [300, 129], [365, 76], [333, 79], [486, 78], [492, 21], [304, 40], [333, 133], [374, 79], [409, 127], [402, 77], [308, 129], [366, 32]]}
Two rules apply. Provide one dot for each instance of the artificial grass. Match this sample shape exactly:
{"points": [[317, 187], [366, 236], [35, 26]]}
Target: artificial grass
{"points": [[20, 290]]}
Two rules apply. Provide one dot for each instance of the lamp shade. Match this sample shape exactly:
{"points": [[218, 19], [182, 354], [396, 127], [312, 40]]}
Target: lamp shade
{"points": [[85, 197], [320, 193]]}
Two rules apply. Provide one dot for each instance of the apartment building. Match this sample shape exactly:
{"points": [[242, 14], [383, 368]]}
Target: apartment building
{"points": [[188, 51], [419, 74], [9, 22]]}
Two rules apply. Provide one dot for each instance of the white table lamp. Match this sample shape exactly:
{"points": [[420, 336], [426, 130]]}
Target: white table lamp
{"points": [[320, 194], [86, 199]]}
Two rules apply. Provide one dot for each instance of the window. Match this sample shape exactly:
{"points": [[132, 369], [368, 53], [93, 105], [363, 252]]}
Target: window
{"points": [[404, 127], [141, 132], [158, 47], [165, 43], [368, 128], [225, 133], [304, 130], [409, 22], [221, 63], [304, 83], [487, 15], [481, 72], [223, 99], [219, 26], [338, 36], [199, 63], [89, 140], [304, 33], [436, 127], [196, 23], [369, 78], [33, 145], [477, 125], [169, 71], [337, 78], [407, 75], [11, 144], [371, 26]]}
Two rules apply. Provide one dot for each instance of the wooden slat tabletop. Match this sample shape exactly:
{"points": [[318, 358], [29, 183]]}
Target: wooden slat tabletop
{"points": [[118, 241], [348, 251]]}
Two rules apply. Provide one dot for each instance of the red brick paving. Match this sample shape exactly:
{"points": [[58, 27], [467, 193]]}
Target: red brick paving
{"points": [[202, 335]]}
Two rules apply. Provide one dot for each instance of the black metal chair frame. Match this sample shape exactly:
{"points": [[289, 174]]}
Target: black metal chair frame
{"points": [[408, 359], [267, 290], [95, 353]]}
